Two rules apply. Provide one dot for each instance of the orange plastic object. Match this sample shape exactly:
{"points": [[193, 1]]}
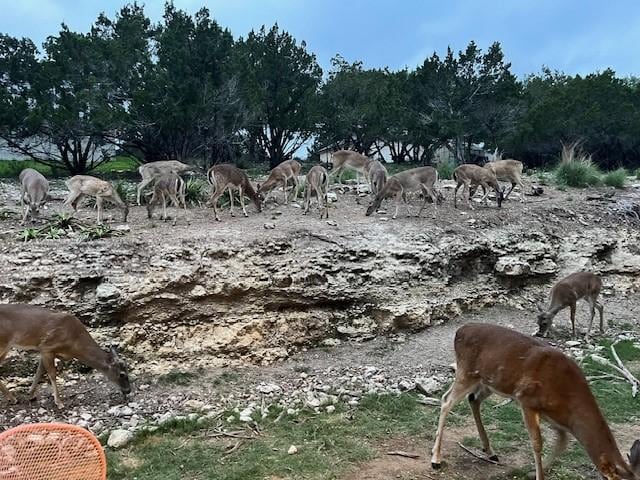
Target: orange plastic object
{"points": [[51, 451]]}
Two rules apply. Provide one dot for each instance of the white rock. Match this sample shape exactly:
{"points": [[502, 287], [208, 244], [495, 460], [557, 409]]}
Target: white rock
{"points": [[119, 438], [268, 388], [193, 404], [331, 409], [292, 450]]}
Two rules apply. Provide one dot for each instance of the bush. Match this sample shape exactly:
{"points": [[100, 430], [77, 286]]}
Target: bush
{"points": [[616, 178], [196, 191], [576, 169], [445, 169]]}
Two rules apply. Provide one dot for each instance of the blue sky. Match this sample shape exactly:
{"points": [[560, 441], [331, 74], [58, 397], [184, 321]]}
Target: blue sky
{"points": [[575, 36]]}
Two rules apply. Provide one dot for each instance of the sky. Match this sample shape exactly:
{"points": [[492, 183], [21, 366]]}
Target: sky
{"points": [[573, 36]]}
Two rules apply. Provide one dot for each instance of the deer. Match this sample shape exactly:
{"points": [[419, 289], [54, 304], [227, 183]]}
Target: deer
{"points": [[318, 182], [566, 293], [469, 175], [546, 383], [55, 335], [421, 179], [224, 176], [152, 170], [377, 174], [508, 171], [167, 187], [348, 160], [84, 185], [34, 193], [280, 175]]}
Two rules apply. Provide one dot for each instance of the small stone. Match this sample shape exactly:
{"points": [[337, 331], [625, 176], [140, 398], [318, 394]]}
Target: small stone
{"points": [[330, 409], [119, 438], [292, 450], [269, 226]]}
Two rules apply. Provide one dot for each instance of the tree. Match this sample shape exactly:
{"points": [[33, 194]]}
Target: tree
{"points": [[280, 81]]}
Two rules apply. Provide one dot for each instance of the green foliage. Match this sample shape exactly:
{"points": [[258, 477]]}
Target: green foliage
{"points": [[12, 168], [616, 178], [196, 191], [445, 169], [576, 168], [125, 190], [118, 164], [29, 234], [96, 232], [65, 225]]}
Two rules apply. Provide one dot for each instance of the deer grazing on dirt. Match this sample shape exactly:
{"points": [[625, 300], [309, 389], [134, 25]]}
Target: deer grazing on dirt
{"points": [[422, 179], [546, 383], [84, 185], [168, 187], [55, 335], [224, 176], [470, 175], [280, 175], [566, 293], [377, 175], [508, 171], [34, 192], [152, 170], [348, 160], [318, 183]]}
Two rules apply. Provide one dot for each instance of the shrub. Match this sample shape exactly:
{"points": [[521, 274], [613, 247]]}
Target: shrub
{"points": [[195, 191], [576, 169], [445, 169], [616, 178]]}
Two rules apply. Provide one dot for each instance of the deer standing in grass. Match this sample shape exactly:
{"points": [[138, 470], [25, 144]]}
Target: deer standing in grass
{"points": [[377, 175], [348, 160], [280, 176], [546, 383], [566, 293], [152, 170], [84, 185], [167, 187], [34, 192], [508, 171], [224, 176], [470, 175], [318, 183], [55, 335], [422, 179]]}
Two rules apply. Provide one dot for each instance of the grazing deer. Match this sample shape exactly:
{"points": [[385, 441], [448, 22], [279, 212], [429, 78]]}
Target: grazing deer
{"points": [[566, 293], [377, 174], [469, 175], [55, 335], [84, 185], [420, 179], [167, 187], [547, 384], [224, 176], [280, 175], [152, 170], [318, 182], [348, 160], [34, 192], [508, 171]]}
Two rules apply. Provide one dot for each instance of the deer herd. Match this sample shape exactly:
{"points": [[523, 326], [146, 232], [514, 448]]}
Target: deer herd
{"points": [[546, 383]]}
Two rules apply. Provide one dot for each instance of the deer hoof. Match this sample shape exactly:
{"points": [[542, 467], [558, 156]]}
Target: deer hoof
{"points": [[436, 466], [494, 458], [60, 405]]}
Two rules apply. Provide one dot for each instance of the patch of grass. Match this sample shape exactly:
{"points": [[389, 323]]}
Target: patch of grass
{"points": [[178, 377], [576, 169], [196, 191], [12, 168], [118, 164], [445, 169], [615, 178]]}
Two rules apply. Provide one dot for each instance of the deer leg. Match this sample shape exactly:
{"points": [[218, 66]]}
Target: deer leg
{"points": [[521, 185], [23, 204], [486, 191], [49, 364], [73, 199], [141, 185], [510, 190], [164, 207], [457, 392], [241, 193], [36, 381], [532, 422], [573, 318], [475, 399], [295, 188], [601, 313], [455, 195], [231, 201], [465, 194], [592, 311], [562, 440], [99, 205], [214, 202], [5, 391], [398, 200]]}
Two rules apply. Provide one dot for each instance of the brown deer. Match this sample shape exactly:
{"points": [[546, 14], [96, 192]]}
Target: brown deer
{"points": [[152, 170], [55, 335], [84, 185], [421, 179], [470, 175], [508, 171], [280, 175], [377, 175], [547, 384], [566, 293], [348, 160], [224, 176], [34, 192], [318, 183], [167, 187]]}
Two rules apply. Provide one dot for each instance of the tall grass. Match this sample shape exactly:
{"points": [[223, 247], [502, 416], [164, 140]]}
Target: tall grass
{"points": [[615, 178], [445, 169], [576, 169]]}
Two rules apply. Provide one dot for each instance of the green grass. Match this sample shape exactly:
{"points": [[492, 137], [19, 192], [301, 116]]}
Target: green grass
{"points": [[578, 174], [445, 169], [118, 164], [12, 168], [615, 178]]}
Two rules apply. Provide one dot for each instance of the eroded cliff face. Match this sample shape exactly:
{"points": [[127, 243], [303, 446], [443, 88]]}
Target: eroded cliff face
{"points": [[262, 299]]}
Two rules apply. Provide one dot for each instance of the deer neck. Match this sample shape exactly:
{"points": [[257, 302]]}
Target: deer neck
{"points": [[595, 435], [92, 355]]}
